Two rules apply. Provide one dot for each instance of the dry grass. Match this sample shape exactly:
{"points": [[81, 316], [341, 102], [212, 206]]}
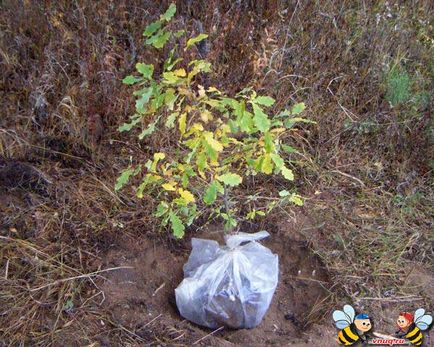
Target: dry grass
{"points": [[365, 168]]}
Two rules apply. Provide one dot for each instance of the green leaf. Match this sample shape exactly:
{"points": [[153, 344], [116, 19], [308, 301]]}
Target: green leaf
{"points": [[179, 33], [141, 188], [246, 122], [196, 39], [289, 149], [170, 121], [129, 126], [283, 193], [169, 66], [145, 69], [287, 173], [230, 179], [210, 193], [284, 113], [177, 226], [69, 305], [275, 123], [159, 39], [131, 80], [198, 66], [289, 123], [201, 161], [298, 108], [152, 28], [231, 222], [296, 199], [269, 145], [192, 214], [278, 161], [264, 100], [162, 208], [220, 188], [251, 215], [210, 152], [170, 98], [260, 118], [170, 12], [148, 131], [141, 102], [171, 78], [123, 178]]}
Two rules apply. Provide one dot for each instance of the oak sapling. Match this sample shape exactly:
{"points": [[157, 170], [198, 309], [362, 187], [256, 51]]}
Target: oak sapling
{"points": [[222, 139]]}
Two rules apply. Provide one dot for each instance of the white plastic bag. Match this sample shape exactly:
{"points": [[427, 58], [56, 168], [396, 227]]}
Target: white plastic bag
{"points": [[228, 285]]}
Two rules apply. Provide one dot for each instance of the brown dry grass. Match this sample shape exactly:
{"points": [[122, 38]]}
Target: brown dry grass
{"points": [[364, 168]]}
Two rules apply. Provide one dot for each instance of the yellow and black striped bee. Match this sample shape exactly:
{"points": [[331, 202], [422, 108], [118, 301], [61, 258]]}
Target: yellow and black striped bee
{"points": [[411, 326], [352, 328]]}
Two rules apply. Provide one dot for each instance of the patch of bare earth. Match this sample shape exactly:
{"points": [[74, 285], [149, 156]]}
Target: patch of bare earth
{"points": [[141, 298]]}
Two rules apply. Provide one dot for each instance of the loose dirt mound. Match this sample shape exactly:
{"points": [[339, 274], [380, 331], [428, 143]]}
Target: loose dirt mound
{"points": [[141, 298]]}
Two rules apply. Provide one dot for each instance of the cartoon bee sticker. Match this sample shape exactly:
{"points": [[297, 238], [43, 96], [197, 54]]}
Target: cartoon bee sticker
{"points": [[411, 326], [352, 328]]}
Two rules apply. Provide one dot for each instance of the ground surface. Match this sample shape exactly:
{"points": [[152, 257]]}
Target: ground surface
{"points": [[144, 292], [81, 264]]}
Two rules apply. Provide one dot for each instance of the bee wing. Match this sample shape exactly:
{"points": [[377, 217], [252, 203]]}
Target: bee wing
{"points": [[418, 314], [342, 324], [341, 319], [424, 322], [350, 312]]}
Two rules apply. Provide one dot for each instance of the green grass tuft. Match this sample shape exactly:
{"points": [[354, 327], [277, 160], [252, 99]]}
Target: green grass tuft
{"points": [[398, 86]]}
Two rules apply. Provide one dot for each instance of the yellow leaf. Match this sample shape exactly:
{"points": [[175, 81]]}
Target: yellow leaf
{"points": [[225, 128], [169, 186], [182, 123], [159, 156], [277, 130], [197, 127], [201, 91], [215, 145], [267, 165], [185, 92], [213, 89], [233, 140], [186, 195], [206, 116], [180, 73]]}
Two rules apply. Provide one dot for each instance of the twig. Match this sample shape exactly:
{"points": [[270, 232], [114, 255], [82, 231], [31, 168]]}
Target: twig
{"points": [[210, 334], [77, 277], [349, 176], [7, 269], [396, 299], [109, 191], [152, 320], [301, 278], [159, 288]]}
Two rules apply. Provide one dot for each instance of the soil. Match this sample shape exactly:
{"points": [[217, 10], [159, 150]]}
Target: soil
{"points": [[142, 296]]}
